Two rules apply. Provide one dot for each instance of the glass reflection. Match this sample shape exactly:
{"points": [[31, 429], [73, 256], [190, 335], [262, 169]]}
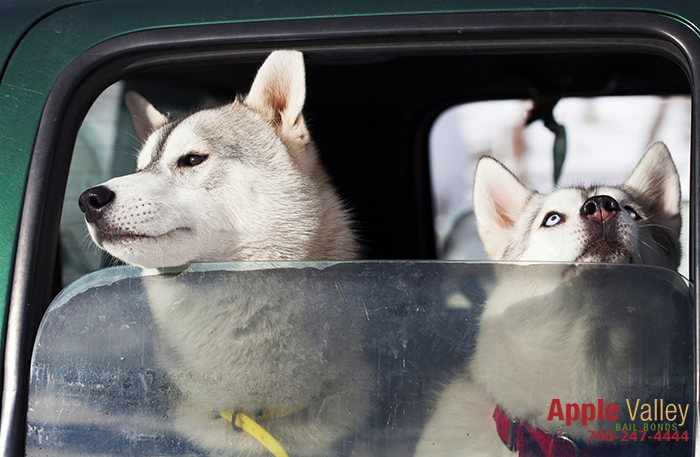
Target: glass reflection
{"points": [[375, 358]]}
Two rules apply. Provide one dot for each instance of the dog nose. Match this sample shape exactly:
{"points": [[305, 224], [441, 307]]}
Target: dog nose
{"points": [[93, 201], [600, 208]]}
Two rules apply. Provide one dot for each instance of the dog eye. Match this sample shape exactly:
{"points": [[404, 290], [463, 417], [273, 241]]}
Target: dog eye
{"points": [[191, 160], [552, 219], [633, 214]]}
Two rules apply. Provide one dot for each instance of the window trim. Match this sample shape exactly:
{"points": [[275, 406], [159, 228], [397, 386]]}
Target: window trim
{"points": [[88, 75]]}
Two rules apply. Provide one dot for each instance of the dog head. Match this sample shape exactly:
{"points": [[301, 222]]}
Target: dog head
{"points": [[236, 182], [637, 222]]}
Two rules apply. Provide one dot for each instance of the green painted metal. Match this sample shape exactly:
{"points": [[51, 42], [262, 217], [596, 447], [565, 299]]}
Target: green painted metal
{"points": [[17, 17], [39, 39]]}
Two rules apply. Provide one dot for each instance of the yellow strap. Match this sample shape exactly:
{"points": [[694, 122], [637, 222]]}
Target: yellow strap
{"points": [[267, 414], [248, 425]]}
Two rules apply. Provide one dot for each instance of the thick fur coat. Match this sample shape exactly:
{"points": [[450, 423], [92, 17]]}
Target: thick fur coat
{"points": [[575, 333], [241, 182]]}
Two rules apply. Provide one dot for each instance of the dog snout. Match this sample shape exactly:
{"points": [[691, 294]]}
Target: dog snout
{"points": [[600, 208], [93, 202]]}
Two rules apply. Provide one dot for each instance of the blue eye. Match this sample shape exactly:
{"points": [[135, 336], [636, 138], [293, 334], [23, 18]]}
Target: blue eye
{"points": [[633, 214], [552, 219]]}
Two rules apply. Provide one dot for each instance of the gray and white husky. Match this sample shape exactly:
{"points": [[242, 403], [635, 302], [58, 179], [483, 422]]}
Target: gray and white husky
{"points": [[544, 337], [240, 182], [237, 182]]}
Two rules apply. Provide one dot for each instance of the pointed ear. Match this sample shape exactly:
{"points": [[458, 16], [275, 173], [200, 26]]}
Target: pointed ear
{"points": [[656, 183], [279, 90], [144, 116], [499, 201]]}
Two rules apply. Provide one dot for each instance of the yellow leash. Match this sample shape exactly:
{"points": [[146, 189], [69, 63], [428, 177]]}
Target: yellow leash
{"points": [[248, 425]]}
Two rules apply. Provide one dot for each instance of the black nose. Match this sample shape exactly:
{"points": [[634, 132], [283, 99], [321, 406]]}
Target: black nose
{"points": [[600, 208], [93, 201]]}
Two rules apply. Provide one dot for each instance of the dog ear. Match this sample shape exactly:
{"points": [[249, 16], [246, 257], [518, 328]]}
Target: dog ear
{"points": [[278, 93], [499, 201], [656, 184], [144, 116]]}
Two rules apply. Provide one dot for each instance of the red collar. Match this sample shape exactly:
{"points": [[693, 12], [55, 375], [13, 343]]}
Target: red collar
{"points": [[530, 441]]}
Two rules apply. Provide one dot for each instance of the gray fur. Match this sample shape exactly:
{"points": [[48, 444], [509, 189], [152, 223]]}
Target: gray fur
{"points": [[261, 193], [163, 133], [258, 193], [509, 217], [577, 333]]}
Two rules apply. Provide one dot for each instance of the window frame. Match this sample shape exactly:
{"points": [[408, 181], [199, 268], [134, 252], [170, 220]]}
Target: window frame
{"points": [[85, 77]]}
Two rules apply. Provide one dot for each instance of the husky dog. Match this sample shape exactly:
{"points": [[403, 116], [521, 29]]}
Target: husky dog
{"points": [[240, 182], [637, 222], [237, 182], [550, 336]]}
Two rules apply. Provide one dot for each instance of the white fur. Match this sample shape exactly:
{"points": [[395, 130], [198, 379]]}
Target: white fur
{"points": [[246, 345], [542, 335], [510, 216], [258, 194]]}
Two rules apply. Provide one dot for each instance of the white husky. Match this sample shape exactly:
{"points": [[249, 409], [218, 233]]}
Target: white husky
{"points": [[241, 182], [237, 182], [544, 337]]}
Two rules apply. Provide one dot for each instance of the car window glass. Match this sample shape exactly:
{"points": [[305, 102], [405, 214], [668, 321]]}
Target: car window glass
{"points": [[369, 353]]}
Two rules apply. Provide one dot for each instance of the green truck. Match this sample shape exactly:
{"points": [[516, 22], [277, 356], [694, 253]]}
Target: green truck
{"points": [[381, 77]]}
